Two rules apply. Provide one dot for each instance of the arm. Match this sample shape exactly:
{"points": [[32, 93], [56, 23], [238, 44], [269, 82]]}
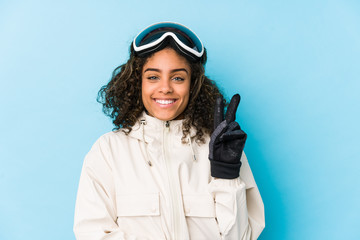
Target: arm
{"points": [[95, 210], [239, 208], [238, 205]]}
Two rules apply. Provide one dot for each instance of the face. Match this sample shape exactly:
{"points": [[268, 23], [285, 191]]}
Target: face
{"points": [[166, 85]]}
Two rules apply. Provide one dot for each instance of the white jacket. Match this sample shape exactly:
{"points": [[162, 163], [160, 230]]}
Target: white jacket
{"points": [[121, 196]]}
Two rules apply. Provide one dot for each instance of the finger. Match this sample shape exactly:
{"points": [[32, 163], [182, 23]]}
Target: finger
{"points": [[239, 135], [215, 137], [232, 126], [231, 110], [219, 111]]}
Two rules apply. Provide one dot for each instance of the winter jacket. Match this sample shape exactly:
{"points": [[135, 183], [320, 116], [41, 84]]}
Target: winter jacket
{"points": [[150, 185]]}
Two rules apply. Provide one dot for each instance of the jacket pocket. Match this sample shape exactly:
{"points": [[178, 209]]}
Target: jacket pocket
{"points": [[199, 205], [135, 205]]}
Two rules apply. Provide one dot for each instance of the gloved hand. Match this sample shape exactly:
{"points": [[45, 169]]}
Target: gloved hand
{"points": [[227, 141]]}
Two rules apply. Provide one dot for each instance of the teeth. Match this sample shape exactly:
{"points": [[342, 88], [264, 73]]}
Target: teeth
{"points": [[164, 101]]}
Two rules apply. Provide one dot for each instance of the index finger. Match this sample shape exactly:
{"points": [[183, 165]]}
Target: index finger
{"points": [[219, 111]]}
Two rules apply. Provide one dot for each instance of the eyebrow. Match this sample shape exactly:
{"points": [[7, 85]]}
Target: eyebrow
{"points": [[172, 71]]}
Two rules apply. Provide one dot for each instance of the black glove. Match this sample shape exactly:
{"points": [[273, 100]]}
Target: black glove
{"points": [[227, 141]]}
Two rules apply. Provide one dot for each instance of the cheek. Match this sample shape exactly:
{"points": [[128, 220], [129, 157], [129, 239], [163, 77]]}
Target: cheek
{"points": [[185, 92], [144, 91], [143, 95], [187, 89]]}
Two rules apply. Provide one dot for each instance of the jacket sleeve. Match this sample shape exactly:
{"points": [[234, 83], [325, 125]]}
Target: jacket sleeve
{"points": [[238, 205], [95, 210]]}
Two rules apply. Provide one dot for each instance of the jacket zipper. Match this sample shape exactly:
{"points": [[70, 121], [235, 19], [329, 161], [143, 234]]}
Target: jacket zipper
{"points": [[173, 188]]}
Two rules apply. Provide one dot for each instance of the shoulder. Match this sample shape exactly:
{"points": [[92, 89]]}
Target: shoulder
{"points": [[110, 136], [105, 146], [107, 141]]}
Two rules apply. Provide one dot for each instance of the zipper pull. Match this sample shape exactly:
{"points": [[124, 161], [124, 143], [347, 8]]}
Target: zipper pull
{"points": [[167, 126]]}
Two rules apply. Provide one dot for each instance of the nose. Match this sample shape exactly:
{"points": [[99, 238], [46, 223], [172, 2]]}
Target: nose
{"points": [[165, 86]]}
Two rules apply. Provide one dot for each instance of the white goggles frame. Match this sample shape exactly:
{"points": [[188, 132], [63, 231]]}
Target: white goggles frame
{"points": [[178, 41]]}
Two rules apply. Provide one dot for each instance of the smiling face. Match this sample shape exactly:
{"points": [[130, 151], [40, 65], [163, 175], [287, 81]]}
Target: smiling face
{"points": [[165, 86]]}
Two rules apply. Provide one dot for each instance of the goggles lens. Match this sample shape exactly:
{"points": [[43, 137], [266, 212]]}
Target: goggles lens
{"points": [[158, 33]]}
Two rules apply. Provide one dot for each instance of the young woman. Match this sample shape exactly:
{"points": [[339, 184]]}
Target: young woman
{"points": [[174, 167]]}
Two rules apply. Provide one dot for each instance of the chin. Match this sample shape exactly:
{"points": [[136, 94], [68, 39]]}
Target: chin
{"points": [[166, 117]]}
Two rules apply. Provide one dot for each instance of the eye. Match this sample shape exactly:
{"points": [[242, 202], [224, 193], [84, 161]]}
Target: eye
{"points": [[179, 79], [152, 77]]}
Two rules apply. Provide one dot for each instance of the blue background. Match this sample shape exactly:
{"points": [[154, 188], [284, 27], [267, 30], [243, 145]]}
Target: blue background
{"points": [[295, 64]]}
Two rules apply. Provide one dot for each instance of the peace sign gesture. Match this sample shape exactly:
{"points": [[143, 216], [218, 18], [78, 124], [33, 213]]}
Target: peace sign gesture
{"points": [[227, 141]]}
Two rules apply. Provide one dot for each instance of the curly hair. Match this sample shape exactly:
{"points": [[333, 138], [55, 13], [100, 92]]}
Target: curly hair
{"points": [[122, 101]]}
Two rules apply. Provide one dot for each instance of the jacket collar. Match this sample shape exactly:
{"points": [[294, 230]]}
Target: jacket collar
{"points": [[153, 128]]}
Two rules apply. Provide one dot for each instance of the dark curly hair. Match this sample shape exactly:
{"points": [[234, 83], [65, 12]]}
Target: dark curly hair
{"points": [[122, 102]]}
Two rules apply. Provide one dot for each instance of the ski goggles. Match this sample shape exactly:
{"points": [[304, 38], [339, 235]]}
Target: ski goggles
{"points": [[153, 38]]}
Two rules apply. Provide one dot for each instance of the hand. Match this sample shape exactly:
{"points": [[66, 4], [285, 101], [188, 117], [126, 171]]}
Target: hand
{"points": [[227, 141]]}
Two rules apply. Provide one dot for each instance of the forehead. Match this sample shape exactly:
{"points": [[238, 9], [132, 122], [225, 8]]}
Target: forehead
{"points": [[167, 59]]}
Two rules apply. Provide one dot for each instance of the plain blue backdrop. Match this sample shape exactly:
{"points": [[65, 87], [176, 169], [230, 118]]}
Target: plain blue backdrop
{"points": [[295, 64]]}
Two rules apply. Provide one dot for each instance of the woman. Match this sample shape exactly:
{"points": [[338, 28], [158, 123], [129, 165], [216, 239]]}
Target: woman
{"points": [[151, 178]]}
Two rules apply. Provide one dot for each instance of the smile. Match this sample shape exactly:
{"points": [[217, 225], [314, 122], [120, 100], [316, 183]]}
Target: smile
{"points": [[165, 101]]}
